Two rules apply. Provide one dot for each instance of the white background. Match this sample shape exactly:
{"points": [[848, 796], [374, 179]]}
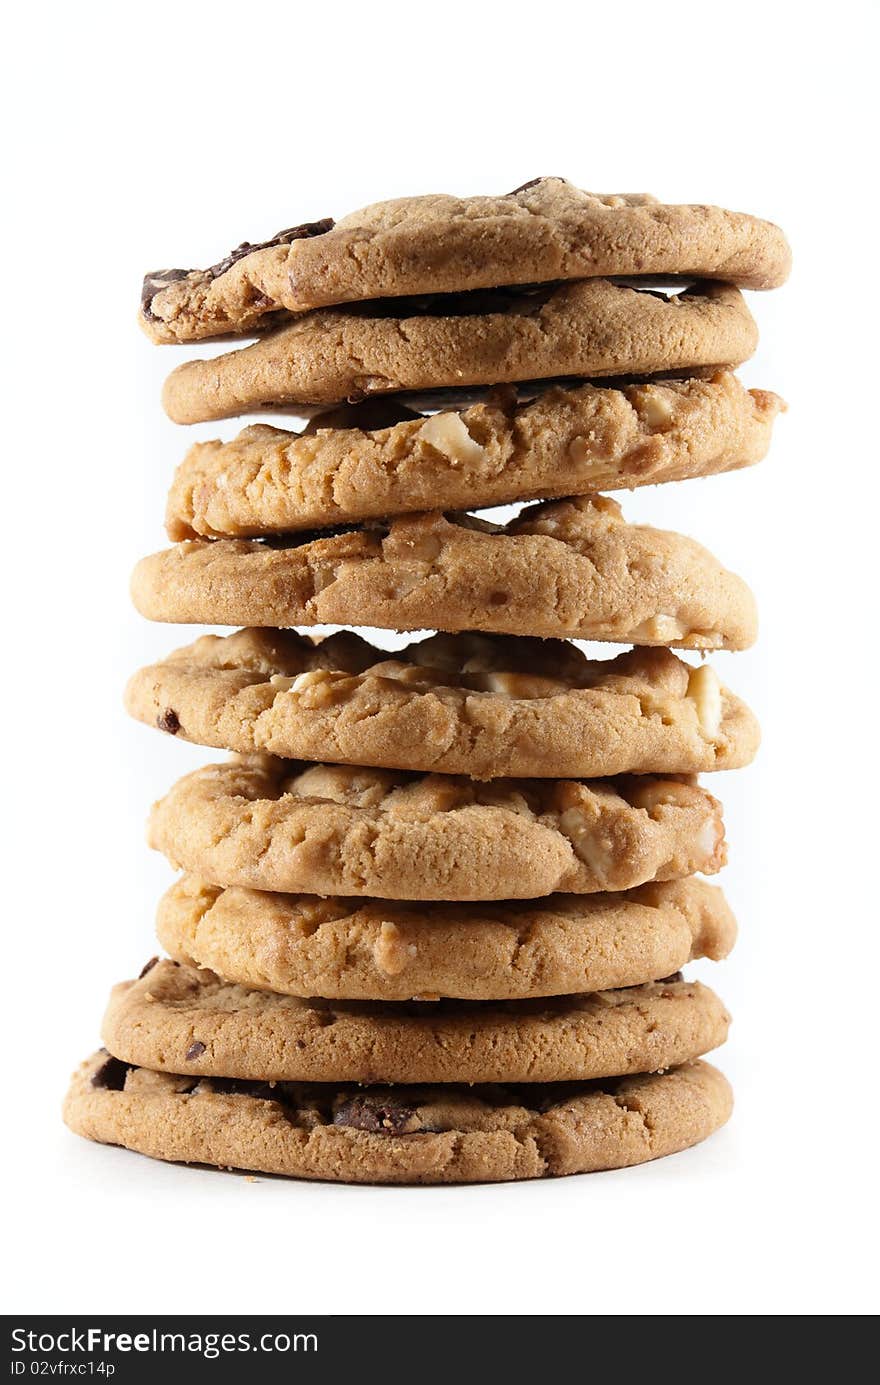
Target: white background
{"points": [[151, 134]]}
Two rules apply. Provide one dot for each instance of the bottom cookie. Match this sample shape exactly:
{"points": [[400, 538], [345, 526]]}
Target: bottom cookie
{"points": [[439, 1134]]}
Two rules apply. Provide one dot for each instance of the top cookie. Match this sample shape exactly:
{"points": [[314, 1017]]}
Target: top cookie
{"points": [[545, 230]]}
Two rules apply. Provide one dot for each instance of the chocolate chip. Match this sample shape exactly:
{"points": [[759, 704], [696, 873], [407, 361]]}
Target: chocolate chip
{"points": [[155, 282], [333, 531], [379, 1114], [381, 411], [148, 966], [466, 303], [235, 1086], [306, 231], [168, 721], [524, 187], [159, 279], [111, 1075], [195, 1051]]}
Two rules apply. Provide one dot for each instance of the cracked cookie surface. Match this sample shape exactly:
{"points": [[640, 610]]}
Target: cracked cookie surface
{"points": [[177, 1019], [328, 829], [546, 230], [571, 568], [592, 328], [402, 1135], [487, 706], [380, 459], [307, 945]]}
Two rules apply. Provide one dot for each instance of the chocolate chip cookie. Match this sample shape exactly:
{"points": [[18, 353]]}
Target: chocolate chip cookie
{"points": [[591, 328], [545, 230], [180, 1020], [404, 1134]]}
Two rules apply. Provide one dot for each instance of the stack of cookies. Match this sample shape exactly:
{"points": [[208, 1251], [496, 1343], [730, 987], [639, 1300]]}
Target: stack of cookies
{"points": [[434, 906]]}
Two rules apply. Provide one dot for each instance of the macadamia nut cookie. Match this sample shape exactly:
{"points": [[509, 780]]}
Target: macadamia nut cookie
{"points": [[308, 945], [330, 829], [486, 706], [573, 568], [369, 461]]}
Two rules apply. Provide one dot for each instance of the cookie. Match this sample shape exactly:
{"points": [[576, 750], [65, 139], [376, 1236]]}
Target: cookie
{"points": [[306, 945], [590, 328], [402, 1134], [177, 1019], [368, 461], [328, 829], [546, 230], [483, 705], [567, 568]]}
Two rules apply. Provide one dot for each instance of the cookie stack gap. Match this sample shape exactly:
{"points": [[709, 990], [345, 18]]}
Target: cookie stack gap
{"points": [[433, 909]]}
